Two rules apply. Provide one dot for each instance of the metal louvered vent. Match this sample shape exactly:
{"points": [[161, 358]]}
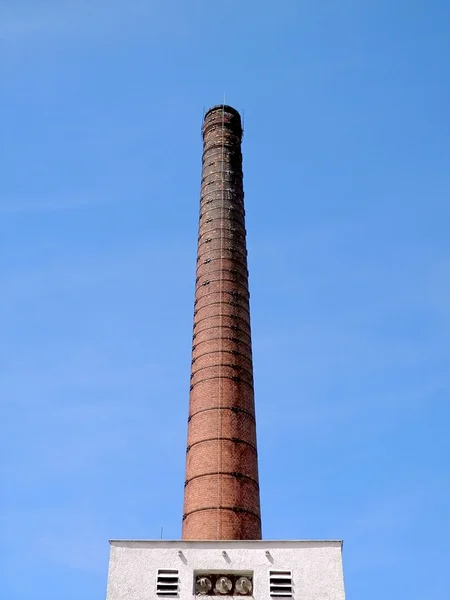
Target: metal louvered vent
{"points": [[280, 584], [167, 582]]}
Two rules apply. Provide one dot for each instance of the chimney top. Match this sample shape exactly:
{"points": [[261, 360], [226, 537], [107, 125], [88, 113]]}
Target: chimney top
{"points": [[223, 108]]}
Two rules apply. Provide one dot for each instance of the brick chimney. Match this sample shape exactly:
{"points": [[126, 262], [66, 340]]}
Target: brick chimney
{"points": [[221, 499]]}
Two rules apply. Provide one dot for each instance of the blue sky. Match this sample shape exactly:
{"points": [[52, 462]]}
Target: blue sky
{"points": [[346, 159]]}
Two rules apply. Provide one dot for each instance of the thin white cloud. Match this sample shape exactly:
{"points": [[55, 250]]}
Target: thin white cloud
{"points": [[88, 269], [70, 536], [50, 203], [85, 19], [378, 530]]}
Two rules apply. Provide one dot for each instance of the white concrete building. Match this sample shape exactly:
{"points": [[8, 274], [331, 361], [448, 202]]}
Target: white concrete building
{"points": [[152, 570]]}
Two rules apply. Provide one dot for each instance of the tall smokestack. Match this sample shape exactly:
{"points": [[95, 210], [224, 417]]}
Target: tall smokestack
{"points": [[221, 500]]}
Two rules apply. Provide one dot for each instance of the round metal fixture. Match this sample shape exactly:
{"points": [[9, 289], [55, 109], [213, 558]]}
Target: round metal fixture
{"points": [[203, 585], [223, 585], [243, 586]]}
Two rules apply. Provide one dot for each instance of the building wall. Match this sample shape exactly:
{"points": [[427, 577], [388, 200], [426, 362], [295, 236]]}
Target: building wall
{"points": [[316, 566]]}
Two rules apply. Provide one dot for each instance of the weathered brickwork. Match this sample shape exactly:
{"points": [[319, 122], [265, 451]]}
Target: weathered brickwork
{"points": [[221, 488]]}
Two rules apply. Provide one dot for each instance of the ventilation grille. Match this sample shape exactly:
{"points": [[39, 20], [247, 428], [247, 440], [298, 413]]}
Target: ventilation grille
{"points": [[280, 584], [167, 582]]}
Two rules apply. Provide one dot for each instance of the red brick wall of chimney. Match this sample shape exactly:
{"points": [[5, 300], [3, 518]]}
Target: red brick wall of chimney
{"points": [[221, 488]]}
